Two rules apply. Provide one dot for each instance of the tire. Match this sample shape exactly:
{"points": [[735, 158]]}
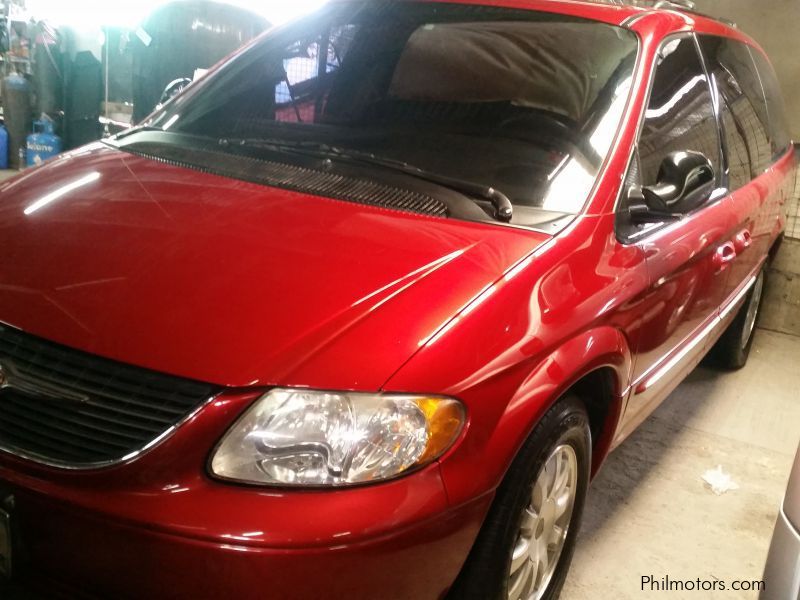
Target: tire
{"points": [[733, 348], [487, 575]]}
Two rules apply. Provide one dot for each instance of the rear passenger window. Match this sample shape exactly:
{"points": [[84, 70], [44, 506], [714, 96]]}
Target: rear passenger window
{"points": [[776, 111], [680, 115]]}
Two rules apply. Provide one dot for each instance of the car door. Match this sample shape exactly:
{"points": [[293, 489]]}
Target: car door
{"points": [[754, 137], [687, 258]]}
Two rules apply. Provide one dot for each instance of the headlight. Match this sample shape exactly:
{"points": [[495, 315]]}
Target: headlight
{"points": [[312, 438]]}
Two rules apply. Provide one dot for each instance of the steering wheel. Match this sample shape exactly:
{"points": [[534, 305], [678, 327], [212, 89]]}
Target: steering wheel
{"points": [[531, 124]]}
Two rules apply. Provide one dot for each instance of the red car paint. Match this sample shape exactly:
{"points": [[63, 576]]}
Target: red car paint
{"points": [[182, 272]]}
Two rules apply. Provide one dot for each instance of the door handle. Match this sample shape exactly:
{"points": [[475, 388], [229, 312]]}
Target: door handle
{"points": [[724, 255], [743, 240]]}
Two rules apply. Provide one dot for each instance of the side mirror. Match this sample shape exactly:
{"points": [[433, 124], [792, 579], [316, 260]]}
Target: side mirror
{"points": [[685, 181]]}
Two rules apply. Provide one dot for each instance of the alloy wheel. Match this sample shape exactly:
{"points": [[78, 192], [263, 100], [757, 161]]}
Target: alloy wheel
{"points": [[544, 527]]}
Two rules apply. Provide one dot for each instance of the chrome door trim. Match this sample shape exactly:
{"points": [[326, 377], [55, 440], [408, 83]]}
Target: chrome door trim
{"points": [[668, 362], [739, 295]]}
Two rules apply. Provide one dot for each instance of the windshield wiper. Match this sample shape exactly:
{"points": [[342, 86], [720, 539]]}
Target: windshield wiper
{"points": [[503, 209]]}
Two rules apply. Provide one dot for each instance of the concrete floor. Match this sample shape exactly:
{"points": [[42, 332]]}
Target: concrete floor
{"points": [[649, 512]]}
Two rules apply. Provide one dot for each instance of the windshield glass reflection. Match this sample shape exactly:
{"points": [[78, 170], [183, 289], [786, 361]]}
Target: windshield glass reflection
{"points": [[524, 102]]}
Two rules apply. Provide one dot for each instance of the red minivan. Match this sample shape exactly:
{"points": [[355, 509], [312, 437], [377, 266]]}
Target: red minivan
{"points": [[360, 313]]}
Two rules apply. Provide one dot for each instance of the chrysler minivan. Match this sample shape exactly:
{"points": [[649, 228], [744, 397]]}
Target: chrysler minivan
{"points": [[361, 312]]}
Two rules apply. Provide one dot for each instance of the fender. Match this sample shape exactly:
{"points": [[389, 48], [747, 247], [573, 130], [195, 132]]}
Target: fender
{"points": [[471, 468], [563, 312]]}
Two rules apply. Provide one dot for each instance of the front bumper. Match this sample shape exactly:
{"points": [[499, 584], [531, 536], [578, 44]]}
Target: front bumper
{"points": [[60, 547], [159, 527], [782, 572]]}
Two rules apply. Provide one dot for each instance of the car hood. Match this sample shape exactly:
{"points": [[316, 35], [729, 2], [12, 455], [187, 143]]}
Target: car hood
{"points": [[231, 282]]}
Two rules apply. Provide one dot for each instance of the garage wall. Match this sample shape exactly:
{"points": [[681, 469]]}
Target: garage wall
{"points": [[793, 221], [773, 24]]}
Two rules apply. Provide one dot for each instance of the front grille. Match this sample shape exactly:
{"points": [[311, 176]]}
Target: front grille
{"points": [[66, 407]]}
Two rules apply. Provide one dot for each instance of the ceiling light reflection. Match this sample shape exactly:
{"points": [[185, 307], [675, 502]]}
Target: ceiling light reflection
{"points": [[62, 191], [170, 122], [569, 188], [607, 128], [654, 113]]}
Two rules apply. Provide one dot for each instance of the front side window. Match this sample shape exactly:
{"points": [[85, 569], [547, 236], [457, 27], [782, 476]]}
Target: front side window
{"points": [[680, 118], [680, 114], [743, 132], [524, 102]]}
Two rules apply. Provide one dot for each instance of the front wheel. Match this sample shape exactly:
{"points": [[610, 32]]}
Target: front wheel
{"points": [[526, 543]]}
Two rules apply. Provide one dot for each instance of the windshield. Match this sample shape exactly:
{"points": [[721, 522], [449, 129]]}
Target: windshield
{"points": [[524, 102]]}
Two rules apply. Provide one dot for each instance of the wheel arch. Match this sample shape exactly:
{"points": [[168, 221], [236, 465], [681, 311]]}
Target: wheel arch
{"points": [[595, 365], [594, 368], [604, 405]]}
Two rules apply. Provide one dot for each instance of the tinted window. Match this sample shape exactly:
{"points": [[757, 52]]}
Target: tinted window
{"points": [[741, 128], [776, 111], [680, 114], [525, 102], [739, 168], [740, 86]]}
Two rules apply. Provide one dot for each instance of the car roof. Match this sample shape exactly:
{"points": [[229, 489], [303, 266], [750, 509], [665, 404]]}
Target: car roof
{"points": [[613, 12]]}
